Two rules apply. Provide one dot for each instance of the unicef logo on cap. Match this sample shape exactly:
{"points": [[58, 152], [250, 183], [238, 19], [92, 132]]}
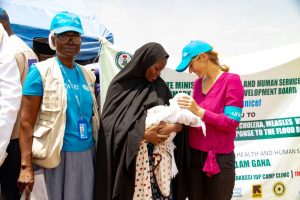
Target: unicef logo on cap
{"points": [[184, 54], [76, 21], [65, 21], [62, 21]]}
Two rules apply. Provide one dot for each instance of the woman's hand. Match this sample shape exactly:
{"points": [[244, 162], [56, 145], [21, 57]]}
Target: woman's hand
{"points": [[153, 135], [189, 103], [159, 133], [167, 128], [26, 180]]}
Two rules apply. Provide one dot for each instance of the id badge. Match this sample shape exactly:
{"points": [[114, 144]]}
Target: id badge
{"points": [[82, 129]]}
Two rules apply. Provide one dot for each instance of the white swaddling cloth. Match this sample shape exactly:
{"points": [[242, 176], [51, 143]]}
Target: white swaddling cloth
{"points": [[163, 154], [173, 114]]}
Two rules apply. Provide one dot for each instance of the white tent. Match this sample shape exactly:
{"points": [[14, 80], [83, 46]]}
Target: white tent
{"points": [[32, 18], [262, 60]]}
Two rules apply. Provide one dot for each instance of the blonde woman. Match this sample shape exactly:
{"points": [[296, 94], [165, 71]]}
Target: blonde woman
{"points": [[218, 100]]}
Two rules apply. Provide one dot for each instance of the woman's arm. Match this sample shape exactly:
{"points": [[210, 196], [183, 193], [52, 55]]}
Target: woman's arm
{"points": [[159, 133], [30, 106], [227, 121], [168, 128]]}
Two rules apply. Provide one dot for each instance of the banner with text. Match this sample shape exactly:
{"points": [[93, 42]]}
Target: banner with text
{"points": [[268, 138], [267, 142]]}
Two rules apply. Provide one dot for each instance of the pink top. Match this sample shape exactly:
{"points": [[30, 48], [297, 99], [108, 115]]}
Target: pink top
{"points": [[220, 128]]}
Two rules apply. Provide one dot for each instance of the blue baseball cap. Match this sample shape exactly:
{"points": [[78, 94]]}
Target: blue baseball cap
{"points": [[65, 21], [191, 50]]}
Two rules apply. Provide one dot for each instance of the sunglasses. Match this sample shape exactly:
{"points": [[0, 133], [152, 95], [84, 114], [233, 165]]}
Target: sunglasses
{"points": [[66, 37]]}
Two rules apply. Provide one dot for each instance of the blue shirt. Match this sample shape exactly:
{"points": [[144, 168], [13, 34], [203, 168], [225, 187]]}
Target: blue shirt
{"points": [[33, 86]]}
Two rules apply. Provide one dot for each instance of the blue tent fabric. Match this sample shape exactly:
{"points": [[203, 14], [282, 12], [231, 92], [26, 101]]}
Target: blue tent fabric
{"points": [[90, 45], [32, 18]]}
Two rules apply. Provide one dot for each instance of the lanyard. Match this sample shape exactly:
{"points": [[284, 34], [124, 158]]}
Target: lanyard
{"points": [[71, 85]]}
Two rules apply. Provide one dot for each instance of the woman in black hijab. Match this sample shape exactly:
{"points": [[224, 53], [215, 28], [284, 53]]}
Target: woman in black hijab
{"points": [[136, 88]]}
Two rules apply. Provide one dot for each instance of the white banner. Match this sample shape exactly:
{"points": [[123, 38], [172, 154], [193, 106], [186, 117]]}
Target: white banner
{"points": [[268, 138], [267, 142], [111, 61]]}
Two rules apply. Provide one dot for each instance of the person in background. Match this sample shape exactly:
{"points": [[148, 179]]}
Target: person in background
{"points": [[41, 48], [135, 89], [23, 53], [10, 98], [58, 99], [24, 57], [218, 99]]}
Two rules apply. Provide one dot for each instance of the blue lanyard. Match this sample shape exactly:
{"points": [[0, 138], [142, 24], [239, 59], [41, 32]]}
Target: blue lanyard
{"points": [[71, 85]]}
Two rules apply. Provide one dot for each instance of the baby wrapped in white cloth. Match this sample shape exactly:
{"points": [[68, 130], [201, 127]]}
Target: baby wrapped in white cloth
{"points": [[165, 167]]}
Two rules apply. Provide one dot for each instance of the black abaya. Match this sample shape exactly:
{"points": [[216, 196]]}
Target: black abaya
{"points": [[122, 124]]}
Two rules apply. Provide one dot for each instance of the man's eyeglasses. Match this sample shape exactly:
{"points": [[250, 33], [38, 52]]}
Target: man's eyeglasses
{"points": [[66, 37]]}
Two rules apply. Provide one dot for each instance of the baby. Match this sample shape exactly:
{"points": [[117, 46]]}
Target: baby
{"points": [[173, 114], [164, 167]]}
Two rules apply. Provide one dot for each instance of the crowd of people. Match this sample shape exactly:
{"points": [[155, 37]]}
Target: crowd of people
{"points": [[49, 121]]}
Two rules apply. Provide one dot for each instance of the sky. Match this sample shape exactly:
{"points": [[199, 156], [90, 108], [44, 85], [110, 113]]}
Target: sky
{"points": [[232, 27]]}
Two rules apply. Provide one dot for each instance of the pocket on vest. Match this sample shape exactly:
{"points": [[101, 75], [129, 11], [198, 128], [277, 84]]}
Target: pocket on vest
{"points": [[40, 143], [52, 97]]}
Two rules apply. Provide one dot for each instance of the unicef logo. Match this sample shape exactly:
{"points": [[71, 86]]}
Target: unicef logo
{"points": [[279, 189], [76, 21], [122, 58]]}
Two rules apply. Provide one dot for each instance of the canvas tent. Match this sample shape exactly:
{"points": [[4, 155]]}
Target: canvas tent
{"points": [[32, 18]]}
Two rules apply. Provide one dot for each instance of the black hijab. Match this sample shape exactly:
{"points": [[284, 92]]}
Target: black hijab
{"points": [[122, 124]]}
